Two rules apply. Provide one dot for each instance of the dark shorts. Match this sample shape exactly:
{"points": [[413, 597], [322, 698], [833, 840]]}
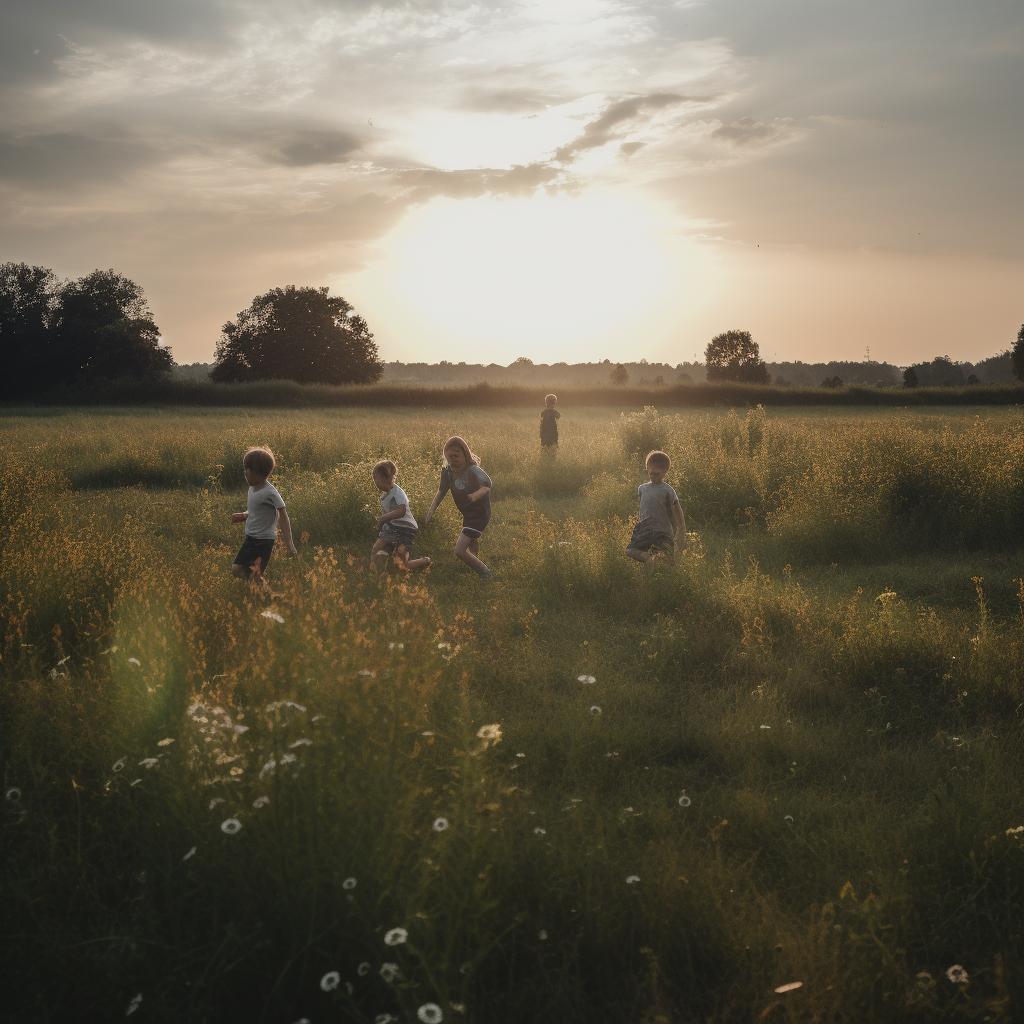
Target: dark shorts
{"points": [[475, 518], [253, 549], [549, 442], [644, 538], [396, 535]]}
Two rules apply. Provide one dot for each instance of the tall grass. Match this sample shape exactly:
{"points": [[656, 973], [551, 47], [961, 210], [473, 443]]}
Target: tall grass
{"points": [[783, 762]]}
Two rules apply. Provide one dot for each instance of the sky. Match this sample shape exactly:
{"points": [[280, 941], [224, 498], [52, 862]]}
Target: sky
{"points": [[564, 180]]}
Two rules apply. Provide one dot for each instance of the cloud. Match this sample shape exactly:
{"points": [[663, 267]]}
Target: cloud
{"points": [[749, 131], [308, 148]]}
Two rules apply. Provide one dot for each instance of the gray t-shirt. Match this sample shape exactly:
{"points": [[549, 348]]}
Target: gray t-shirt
{"points": [[390, 501], [263, 503], [656, 501]]}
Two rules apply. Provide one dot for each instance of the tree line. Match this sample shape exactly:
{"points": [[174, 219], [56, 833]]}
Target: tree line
{"points": [[100, 327]]}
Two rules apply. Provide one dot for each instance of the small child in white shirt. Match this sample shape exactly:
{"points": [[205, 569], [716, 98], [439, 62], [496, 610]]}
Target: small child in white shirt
{"points": [[398, 526], [265, 514]]}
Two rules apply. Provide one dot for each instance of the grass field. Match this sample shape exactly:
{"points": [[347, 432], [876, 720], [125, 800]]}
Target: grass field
{"points": [[795, 755]]}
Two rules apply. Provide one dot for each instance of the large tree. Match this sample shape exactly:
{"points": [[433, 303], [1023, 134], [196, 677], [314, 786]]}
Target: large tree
{"points": [[300, 334], [95, 328], [105, 329], [28, 305], [1017, 354], [734, 356]]}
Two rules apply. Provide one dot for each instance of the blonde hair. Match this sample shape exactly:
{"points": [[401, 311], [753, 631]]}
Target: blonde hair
{"points": [[260, 461], [458, 442], [386, 468], [659, 460]]}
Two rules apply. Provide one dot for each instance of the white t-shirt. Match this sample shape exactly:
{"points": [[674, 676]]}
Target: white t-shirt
{"points": [[263, 503], [656, 501], [392, 500]]}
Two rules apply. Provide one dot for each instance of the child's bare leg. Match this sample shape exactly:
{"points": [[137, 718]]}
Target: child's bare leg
{"points": [[379, 556], [462, 550], [638, 555], [412, 564], [240, 572]]}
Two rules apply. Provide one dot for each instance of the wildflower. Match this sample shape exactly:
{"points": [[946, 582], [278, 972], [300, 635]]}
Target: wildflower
{"points": [[287, 758], [389, 972], [191, 853], [134, 661], [268, 768], [349, 987], [684, 801], [330, 981], [363, 969], [789, 987], [135, 782], [300, 743], [595, 710], [239, 729], [581, 679], [430, 1013], [542, 935], [1015, 832], [396, 937], [459, 1007], [365, 672], [427, 733], [490, 733], [349, 883], [148, 762], [230, 826], [957, 975], [13, 794], [520, 755], [925, 980], [539, 832], [261, 801], [268, 614], [440, 824], [384, 1018], [765, 726], [788, 818], [630, 879], [165, 743], [214, 801], [119, 764], [133, 1005]]}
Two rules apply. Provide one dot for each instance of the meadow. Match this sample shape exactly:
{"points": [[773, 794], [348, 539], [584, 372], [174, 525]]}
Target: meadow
{"points": [[588, 790]]}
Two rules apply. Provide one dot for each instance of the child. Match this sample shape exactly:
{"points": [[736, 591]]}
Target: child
{"points": [[471, 491], [265, 513], [549, 417], [661, 517], [397, 524]]}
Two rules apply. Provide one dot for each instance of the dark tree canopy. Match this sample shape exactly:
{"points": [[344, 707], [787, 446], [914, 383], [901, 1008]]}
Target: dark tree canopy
{"points": [[106, 330], [96, 328], [734, 356], [941, 372], [1017, 354], [910, 377], [832, 382], [28, 305], [300, 334]]}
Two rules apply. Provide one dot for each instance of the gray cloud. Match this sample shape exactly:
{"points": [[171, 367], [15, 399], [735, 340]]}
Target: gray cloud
{"points": [[749, 131], [310, 147]]}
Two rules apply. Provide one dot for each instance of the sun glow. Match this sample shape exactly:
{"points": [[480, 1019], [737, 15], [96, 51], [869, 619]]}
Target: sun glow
{"points": [[549, 277]]}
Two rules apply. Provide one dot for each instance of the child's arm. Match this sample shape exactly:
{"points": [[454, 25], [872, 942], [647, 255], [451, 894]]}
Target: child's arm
{"points": [[286, 530], [478, 493], [395, 513], [239, 517], [433, 506], [680, 520]]}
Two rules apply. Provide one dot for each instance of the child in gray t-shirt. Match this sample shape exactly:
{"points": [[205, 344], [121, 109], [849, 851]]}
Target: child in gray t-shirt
{"points": [[661, 519], [397, 524]]}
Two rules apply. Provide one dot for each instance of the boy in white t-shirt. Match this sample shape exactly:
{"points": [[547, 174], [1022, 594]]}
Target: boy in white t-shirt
{"points": [[661, 522], [397, 525], [265, 513]]}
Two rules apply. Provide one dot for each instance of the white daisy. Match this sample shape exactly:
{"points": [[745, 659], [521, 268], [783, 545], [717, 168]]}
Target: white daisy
{"points": [[133, 1005], [135, 661], [363, 969], [13, 794], [119, 764], [166, 742], [595, 710], [396, 937], [191, 853], [148, 762], [300, 743], [539, 832], [330, 981], [789, 987], [230, 826], [957, 975], [261, 801], [684, 801], [430, 1013], [630, 879], [492, 733], [349, 883], [389, 972], [440, 824], [268, 614]]}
